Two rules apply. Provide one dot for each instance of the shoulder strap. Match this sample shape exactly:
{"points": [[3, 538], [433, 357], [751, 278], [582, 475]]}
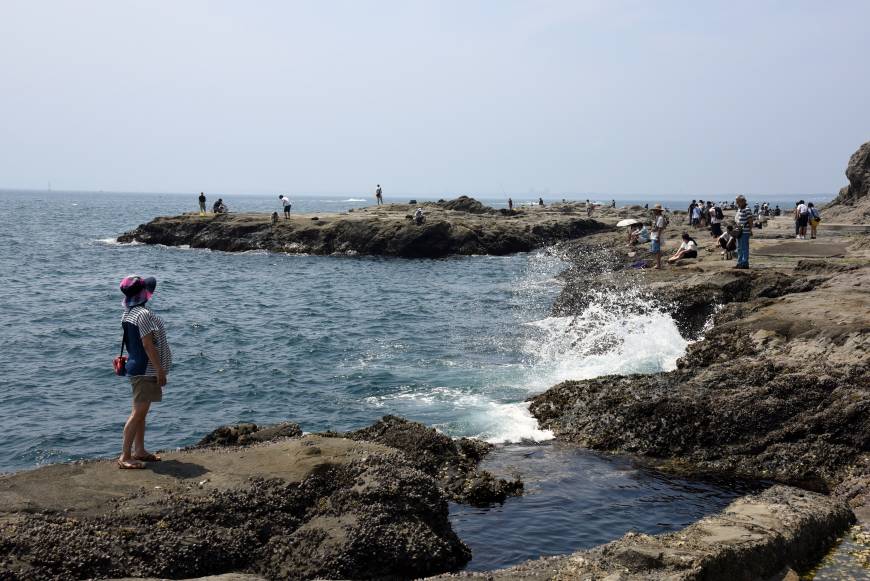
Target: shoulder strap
{"points": [[123, 338]]}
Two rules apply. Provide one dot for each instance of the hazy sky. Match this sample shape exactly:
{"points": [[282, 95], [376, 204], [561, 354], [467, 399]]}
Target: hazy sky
{"points": [[433, 96]]}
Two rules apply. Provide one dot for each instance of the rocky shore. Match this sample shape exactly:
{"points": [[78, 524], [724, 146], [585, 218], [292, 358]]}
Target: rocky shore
{"points": [[775, 386], [758, 537], [462, 226], [775, 389], [267, 501]]}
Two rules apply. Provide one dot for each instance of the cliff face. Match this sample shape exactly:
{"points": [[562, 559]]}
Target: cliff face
{"points": [[852, 205], [460, 227]]}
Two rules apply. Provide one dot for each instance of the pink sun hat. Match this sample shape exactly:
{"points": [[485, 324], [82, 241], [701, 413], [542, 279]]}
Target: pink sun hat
{"points": [[137, 290]]}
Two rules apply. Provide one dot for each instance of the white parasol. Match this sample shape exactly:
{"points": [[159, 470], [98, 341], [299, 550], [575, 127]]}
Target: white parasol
{"points": [[627, 222]]}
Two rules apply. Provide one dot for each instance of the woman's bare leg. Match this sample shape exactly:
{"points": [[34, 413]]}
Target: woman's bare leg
{"points": [[134, 430]]}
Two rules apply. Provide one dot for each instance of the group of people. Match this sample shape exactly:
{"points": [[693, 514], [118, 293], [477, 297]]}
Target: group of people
{"points": [[735, 237], [806, 214], [701, 214], [218, 207]]}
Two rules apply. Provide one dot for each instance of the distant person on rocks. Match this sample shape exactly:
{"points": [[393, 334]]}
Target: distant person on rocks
{"points": [[612, 203], [696, 216], [510, 204], [728, 243], [541, 202], [639, 234], [219, 207], [777, 211], [285, 201], [419, 217], [633, 231], [657, 235], [688, 249], [815, 217], [379, 195], [202, 203], [803, 218], [716, 217], [691, 213], [643, 235], [589, 208], [147, 366], [743, 218]]}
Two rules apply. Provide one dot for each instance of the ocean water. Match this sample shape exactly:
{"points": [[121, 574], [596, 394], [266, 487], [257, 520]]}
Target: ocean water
{"points": [[328, 342]]}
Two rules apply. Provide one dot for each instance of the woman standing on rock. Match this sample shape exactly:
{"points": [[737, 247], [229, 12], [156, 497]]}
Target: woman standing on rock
{"points": [[147, 366]]}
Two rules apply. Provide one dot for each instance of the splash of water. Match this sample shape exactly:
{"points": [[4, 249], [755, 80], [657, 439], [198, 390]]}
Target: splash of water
{"points": [[619, 332]]}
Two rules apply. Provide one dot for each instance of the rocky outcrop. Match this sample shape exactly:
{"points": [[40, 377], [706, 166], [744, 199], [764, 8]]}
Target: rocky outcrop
{"points": [[756, 537], [302, 508], [852, 205], [247, 434], [466, 204], [452, 462], [459, 227], [775, 389]]}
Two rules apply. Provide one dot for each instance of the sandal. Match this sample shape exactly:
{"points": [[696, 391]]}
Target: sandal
{"points": [[127, 465], [147, 458]]}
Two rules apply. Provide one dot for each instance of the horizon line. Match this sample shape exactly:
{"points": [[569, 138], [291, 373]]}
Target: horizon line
{"points": [[573, 195]]}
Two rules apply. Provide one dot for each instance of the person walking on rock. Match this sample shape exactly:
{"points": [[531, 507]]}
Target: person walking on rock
{"points": [[815, 218], [202, 203], [657, 235], [147, 366], [285, 201], [510, 204], [743, 218], [379, 195], [802, 211]]}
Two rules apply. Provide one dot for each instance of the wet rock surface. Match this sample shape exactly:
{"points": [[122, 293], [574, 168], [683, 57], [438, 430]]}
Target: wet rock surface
{"points": [[756, 537], [300, 508], [452, 462], [458, 227]]}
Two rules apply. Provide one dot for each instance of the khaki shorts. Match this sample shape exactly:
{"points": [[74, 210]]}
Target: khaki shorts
{"points": [[145, 389]]}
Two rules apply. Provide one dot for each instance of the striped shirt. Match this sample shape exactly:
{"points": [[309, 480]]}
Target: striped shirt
{"points": [[142, 319], [742, 216]]}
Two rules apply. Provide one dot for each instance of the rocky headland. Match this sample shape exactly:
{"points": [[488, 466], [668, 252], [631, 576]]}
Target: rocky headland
{"points": [[462, 226]]}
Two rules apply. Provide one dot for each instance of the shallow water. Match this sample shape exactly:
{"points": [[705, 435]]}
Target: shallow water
{"points": [[575, 499]]}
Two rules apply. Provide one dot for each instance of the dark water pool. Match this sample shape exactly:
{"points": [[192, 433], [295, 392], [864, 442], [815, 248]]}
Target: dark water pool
{"points": [[577, 499]]}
